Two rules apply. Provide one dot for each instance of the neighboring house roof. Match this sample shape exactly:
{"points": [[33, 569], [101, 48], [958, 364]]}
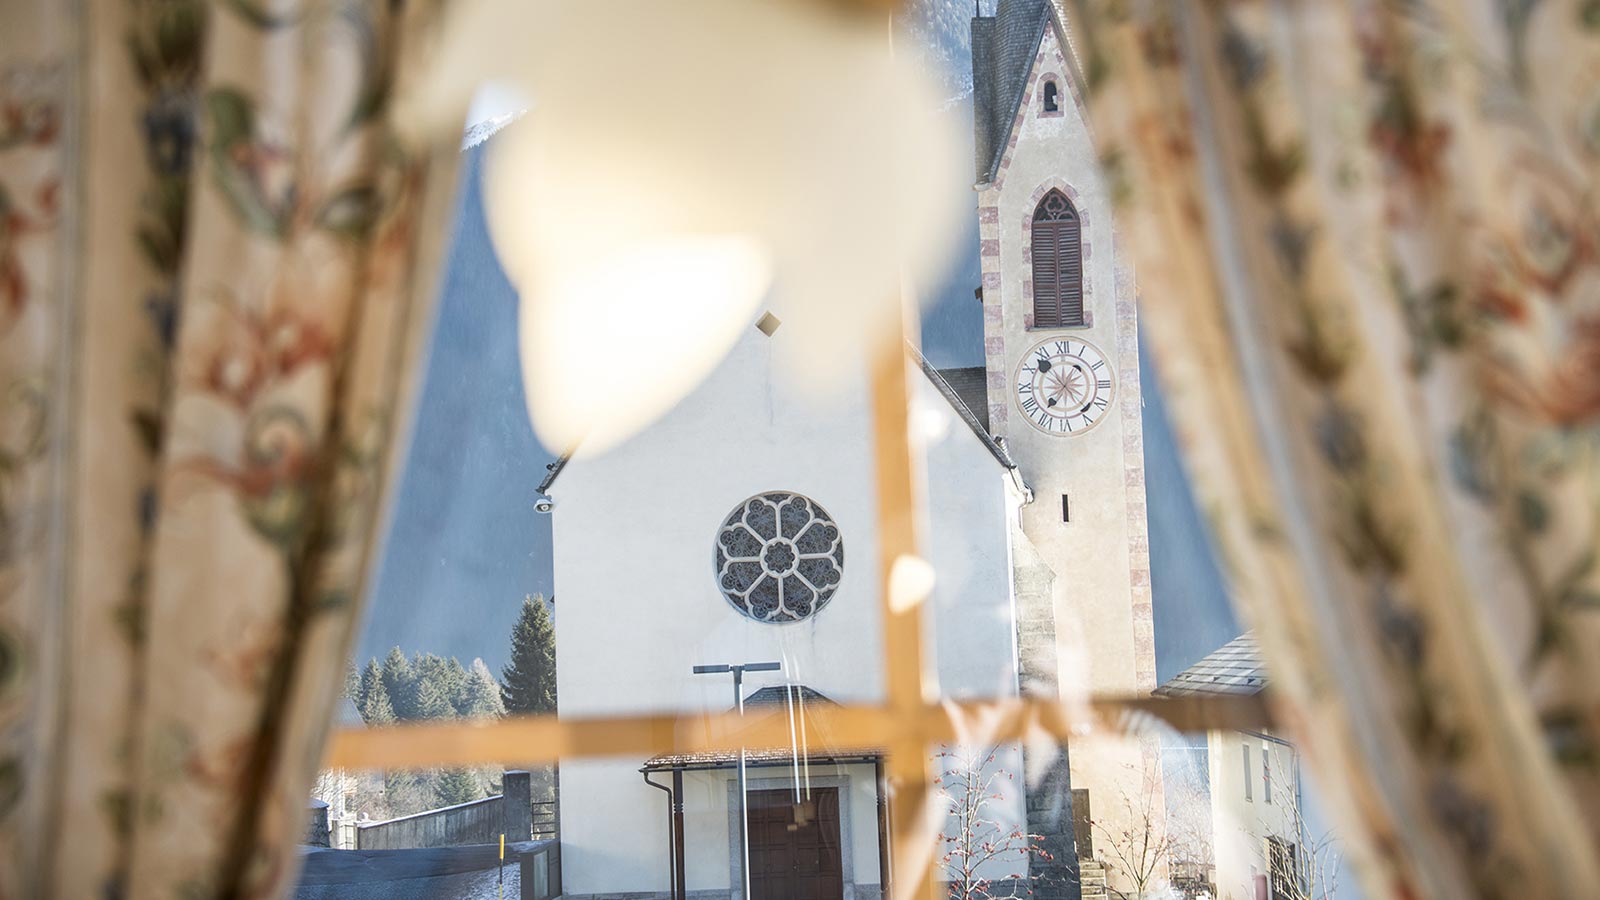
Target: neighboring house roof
{"points": [[350, 714], [1233, 668], [965, 400], [1003, 48]]}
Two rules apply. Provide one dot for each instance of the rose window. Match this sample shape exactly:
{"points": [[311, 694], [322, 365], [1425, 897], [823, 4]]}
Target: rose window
{"points": [[779, 557]]}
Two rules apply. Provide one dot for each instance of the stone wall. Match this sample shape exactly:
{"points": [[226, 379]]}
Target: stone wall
{"points": [[477, 822]]}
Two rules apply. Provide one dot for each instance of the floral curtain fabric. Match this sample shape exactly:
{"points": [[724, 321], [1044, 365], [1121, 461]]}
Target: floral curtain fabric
{"points": [[1366, 241], [214, 260]]}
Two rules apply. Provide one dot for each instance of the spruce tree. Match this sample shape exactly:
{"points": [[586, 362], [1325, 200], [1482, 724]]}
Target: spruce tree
{"points": [[371, 698], [446, 675], [480, 698], [454, 786], [528, 683], [400, 683], [429, 700]]}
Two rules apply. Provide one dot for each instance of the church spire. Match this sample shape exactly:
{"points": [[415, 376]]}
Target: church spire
{"points": [[1003, 46]]}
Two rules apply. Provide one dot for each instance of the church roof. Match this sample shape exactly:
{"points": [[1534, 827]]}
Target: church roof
{"points": [[980, 427], [1233, 668], [1003, 47], [971, 384]]}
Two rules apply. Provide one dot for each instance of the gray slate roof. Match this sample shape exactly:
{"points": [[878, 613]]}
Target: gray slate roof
{"points": [[777, 695], [979, 427], [1003, 46], [1233, 668], [771, 696], [971, 384]]}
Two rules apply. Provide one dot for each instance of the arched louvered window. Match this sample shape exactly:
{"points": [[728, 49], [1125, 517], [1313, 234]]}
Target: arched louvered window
{"points": [[1057, 263], [1052, 97]]}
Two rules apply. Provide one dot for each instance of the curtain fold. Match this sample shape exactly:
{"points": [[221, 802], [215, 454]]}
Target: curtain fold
{"points": [[1366, 245], [216, 258]]}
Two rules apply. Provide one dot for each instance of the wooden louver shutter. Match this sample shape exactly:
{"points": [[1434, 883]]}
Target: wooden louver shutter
{"points": [[1046, 276], [1057, 263], [1069, 272]]}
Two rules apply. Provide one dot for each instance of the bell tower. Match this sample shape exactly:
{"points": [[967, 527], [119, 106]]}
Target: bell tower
{"points": [[1061, 357]]}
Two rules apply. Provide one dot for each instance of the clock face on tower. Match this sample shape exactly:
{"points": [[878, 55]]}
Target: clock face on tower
{"points": [[1064, 386]]}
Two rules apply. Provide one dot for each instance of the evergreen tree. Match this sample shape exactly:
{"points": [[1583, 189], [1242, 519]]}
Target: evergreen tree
{"points": [[399, 681], [454, 786], [480, 699], [371, 697], [429, 700], [352, 682], [446, 675], [528, 683]]}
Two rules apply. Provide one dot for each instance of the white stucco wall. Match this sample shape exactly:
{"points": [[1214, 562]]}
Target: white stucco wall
{"points": [[637, 605], [1243, 825]]}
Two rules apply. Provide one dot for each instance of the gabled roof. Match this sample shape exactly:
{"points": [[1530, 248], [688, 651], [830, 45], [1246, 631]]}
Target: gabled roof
{"points": [[1233, 668], [773, 696], [1003, 48], [971, 396], [778, 695]]}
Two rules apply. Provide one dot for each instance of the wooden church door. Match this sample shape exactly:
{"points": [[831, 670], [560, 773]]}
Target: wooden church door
{"points": [[794, 851]]}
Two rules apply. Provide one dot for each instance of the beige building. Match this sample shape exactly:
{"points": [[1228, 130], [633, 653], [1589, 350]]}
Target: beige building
{"points": [[1268, 841]]}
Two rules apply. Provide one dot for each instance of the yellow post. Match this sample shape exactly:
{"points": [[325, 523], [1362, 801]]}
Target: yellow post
{"points": [[502, 865]]}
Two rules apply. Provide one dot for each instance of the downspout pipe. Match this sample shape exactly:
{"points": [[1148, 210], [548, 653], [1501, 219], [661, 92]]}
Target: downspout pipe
{"points": [[679, 847], [672, 860], [884, 880]]}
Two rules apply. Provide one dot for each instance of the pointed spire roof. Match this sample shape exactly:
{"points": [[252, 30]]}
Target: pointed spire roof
{"points": [[1003, 47]]}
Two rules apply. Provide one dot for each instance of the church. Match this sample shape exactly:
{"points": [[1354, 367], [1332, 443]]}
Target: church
{"points": [[741, 529]]}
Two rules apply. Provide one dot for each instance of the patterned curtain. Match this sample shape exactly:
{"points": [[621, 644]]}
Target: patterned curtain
{"points": [[1368, 252], [215, 256]]}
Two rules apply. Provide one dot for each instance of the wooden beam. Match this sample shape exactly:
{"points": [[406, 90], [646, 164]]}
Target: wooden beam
{"points": [[546, 739]]}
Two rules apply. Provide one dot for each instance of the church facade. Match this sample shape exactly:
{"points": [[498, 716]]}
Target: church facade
{"points": [[741, 529]]}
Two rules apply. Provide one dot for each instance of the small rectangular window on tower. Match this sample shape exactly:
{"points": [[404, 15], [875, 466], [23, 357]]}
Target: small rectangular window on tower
{"points": [[1066, 509]]}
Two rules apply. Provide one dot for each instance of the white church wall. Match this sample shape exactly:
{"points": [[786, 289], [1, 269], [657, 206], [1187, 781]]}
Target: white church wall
{"points": [[637, 603], [971, 630]]}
